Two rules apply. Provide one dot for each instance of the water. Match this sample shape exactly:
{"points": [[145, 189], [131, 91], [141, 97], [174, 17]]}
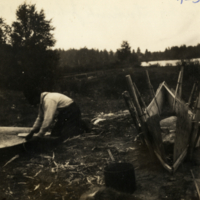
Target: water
{"points": [[164, 63]]}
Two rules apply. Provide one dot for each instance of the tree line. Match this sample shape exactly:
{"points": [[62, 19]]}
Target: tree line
{"points": [[87, 60], [173, 53]]}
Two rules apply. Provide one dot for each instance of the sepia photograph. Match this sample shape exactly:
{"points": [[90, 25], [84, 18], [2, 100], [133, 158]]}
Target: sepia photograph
{"points": [[99, 100]]}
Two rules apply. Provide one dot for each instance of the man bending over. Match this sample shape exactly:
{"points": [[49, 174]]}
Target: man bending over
{"points": [[63, 109]]}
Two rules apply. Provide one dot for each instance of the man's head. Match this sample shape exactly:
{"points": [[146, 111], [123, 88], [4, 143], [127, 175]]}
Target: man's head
{"points": [[32, 95]]}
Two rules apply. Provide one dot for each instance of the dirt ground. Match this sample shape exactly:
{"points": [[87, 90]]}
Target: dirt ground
{"points": [[73, 168], [77, 166]]}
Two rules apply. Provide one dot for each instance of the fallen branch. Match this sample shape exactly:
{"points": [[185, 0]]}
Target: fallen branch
{"points": [[197, 188], [110, 154], [29, 177], [37, 186], [73, 138], [17, 156], [37, 173], [48, 186]]}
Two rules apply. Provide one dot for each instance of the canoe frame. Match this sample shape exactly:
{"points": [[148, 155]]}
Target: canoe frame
{"points": [[187, 125]]}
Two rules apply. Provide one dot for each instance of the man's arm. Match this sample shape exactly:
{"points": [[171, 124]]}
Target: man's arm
{"points": [[50, 107], [36, 125]]}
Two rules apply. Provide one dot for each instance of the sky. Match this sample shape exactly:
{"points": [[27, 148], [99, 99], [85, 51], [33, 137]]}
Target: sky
{"points": [[104, 24]]}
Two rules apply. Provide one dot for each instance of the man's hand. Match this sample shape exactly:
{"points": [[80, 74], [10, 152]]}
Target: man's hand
{"points": [[39, 135], [29, 136]]}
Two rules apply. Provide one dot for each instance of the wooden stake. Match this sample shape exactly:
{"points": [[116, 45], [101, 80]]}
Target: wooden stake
{"points": [[141, 115], [177, 86], [181, 82], [132, 110], [134, 96], [150, 86], [192, 94], [140, 98]]}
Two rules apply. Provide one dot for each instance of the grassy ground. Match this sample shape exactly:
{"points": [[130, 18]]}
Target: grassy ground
{"points": [[72, 168]]}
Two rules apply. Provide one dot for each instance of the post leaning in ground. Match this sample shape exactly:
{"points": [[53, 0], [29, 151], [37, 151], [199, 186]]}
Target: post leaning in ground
{"points": [[177, 87], [132, 110], [141, 114], [181, 83], [141, 99], [191, 95]]}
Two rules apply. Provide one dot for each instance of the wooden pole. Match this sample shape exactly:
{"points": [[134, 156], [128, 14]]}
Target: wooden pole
{"points": [[153, 96], [181, 83], [150, 86], [192, 94], [141, 115], [177, 86], [134, 96], [140, 98], [132, 110]]}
